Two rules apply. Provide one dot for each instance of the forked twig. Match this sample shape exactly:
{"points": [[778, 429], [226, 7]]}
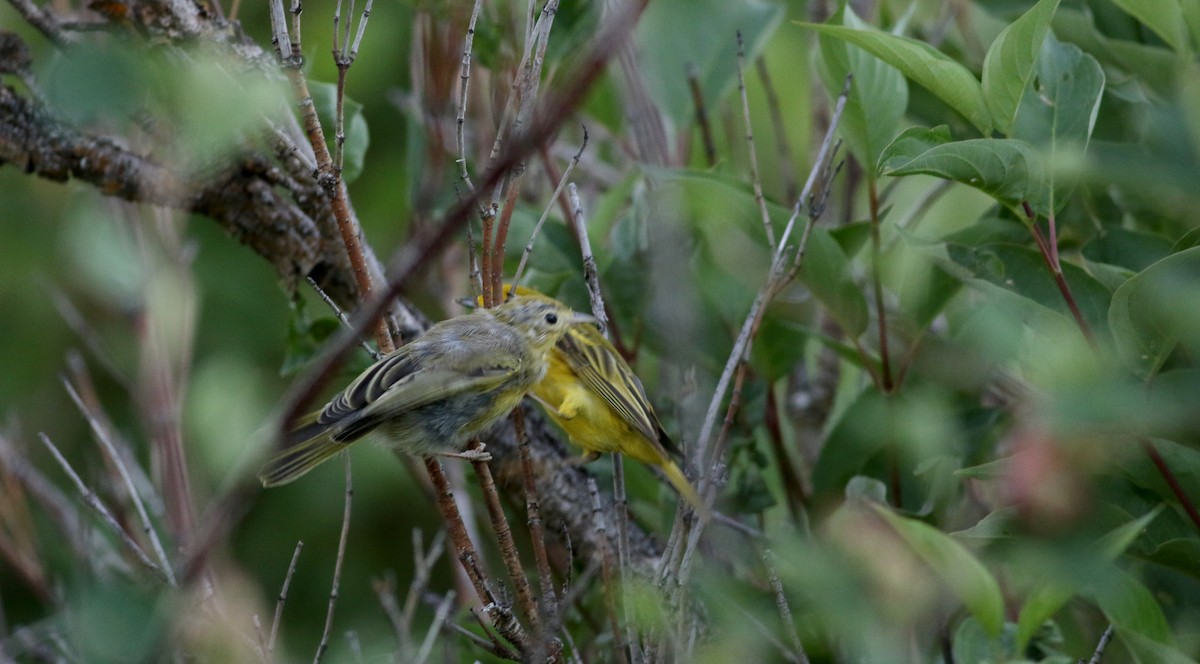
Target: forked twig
{"points": [[110, 450], [93, 501]]}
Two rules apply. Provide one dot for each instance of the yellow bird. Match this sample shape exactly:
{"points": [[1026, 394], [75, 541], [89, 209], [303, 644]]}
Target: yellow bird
{"points": [[592, 393], [435, 393]]}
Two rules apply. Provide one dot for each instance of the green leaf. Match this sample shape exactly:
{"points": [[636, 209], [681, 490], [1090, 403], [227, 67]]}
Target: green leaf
{"points": [[965, 576], [948, 80], [1049, 598], [878, 92], [1058, 113], [674, 35], [1008, 170], [826, 272], [1119, 253], [1146, 317], [859, 435], [1009, 65], [357, 137], [1131, 608], [1022, 271], [1164, 17], [1151, 651], [1153, 66]]}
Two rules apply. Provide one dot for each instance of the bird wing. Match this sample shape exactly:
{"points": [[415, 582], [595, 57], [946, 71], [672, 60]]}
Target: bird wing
{"points": [[601, 369]]}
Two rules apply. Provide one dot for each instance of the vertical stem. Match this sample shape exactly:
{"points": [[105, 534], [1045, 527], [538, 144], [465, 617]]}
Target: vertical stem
{"points": [[877, 285]]}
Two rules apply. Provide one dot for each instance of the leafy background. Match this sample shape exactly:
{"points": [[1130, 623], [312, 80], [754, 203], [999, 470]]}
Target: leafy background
{"points": [[981, 493]]}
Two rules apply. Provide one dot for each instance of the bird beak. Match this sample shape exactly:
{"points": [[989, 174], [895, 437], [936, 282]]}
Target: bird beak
{"points": [[583, 318]]}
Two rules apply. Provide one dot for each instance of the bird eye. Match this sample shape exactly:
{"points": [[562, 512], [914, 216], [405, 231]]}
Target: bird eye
{"points": [[552, 319]]}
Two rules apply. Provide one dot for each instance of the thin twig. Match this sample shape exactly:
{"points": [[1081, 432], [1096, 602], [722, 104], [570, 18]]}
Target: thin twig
{"points": [[337, 565], [590, 274], [101, 436], [93, 501], [607, 572], [562, 183], [533, 515], [439, 619], [785, 611], [341, 315], [706, 137], [758, 191], [709, 451], [464, 78], [283, 591], [507, 545], [500, 615], [1104, 639]]}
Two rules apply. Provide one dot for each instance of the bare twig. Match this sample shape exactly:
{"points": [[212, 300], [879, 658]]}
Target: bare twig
{"points": [[439, 619], [501, 616], [608, 573], [464, 78], [109, 449], [341, 315], [589, 261], [785, 612], [328, 175], [507, 545], [758, 191], [1102, 645], [783, 268], [533, 515], [93, 501], [562, 183], [283, 591], [337, 566]]}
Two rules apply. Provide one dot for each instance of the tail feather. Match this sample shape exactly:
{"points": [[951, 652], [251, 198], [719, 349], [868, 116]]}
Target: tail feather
{"points": [[677, 479], [298, 459]]}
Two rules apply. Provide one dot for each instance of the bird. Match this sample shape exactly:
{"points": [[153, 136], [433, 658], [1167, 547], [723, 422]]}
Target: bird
{"points": [[590, 391], [432, 395]]}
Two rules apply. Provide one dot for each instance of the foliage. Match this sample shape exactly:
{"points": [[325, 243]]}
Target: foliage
{"points": [[965, 431]]}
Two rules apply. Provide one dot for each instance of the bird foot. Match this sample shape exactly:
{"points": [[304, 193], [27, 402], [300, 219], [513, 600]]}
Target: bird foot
{"points": [[475, 456]]}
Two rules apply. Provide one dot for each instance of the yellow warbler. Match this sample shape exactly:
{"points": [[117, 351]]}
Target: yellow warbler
{"points": [[434, 394], [590, 391]]}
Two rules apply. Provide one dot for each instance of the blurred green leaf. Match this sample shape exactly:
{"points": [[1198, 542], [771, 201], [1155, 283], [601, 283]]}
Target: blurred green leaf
{"points": [[1022, 271], [1009, 170], [966, 577], [1148, 650], [1153, 66], [878, 92], [1145, 315], [675, 35], [1118, 253], [357, 137], [951, 82], [1132, 609], [1009, 65], [305, 337], [1049, 598], [1164, 17], [826, 271]]}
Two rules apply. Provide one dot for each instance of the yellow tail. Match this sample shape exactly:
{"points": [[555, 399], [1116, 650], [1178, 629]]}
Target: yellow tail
{"points": [[679, 481]]}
